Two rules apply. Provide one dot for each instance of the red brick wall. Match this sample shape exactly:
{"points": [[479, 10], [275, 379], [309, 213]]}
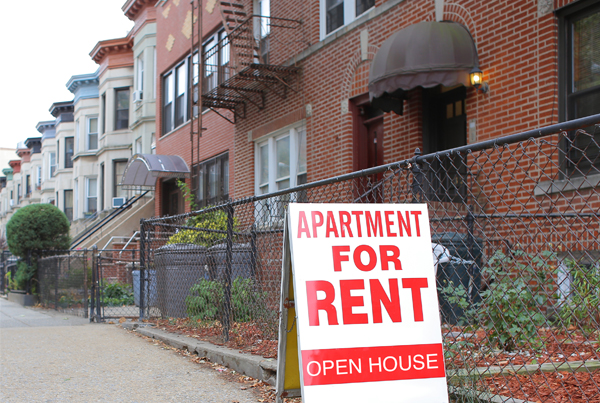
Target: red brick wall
{"points": [[218, 136]]}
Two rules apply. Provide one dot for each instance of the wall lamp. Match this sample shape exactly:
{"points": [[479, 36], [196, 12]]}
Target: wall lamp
{"points": [[476, 77]]}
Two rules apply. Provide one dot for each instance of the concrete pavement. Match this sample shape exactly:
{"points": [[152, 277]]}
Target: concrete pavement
{"points": [[53, 357]]}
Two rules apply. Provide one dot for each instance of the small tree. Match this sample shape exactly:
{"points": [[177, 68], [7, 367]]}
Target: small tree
{"points": [[33, 229]]}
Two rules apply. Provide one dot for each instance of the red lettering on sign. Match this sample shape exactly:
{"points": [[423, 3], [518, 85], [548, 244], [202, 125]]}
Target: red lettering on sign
{"points": [[331, 226], [372, 364], [357, 215], [338, 258], [345, 219], [315, 223], [415, 285], [417, 214], [374, 225], [303, 225], [390, 254], [391, 304], [349, 301], [388, 223], [370, 265], [315, 305], [404, 225]]}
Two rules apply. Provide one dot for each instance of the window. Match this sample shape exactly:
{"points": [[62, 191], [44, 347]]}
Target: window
{"points": [[216, 61], [69, 143], [92, 133], [211, 183], [263, 28], [280, 163], [337, 13], [121, 108], [75, 197], [77, 138], [119, 169], [51, 164], [91, 195], [138, 145], [174, 97], [103, 112], [27, 185], [140, 74], [69, 204], [38, 177], [18, 193], [579, 71]]}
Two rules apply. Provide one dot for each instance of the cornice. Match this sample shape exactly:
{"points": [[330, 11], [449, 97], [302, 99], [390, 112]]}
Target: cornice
{"points": [[45, 125], [58, 108], [82, 80], [131, 8], [111, 46]]}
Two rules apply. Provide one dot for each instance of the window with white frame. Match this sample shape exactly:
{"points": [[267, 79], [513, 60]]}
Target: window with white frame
{"points": [[51, 164], [175, 89], [91, 195], [280, 163], [38, 177], [337, 13], [262, 26], [77, 139], [92, 133], [139, 79]]}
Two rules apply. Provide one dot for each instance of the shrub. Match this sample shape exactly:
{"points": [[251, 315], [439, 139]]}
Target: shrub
{"points": [[512, 305], [118, 294], [214, 220], [582, 305], [36, 228], [205, 301]]}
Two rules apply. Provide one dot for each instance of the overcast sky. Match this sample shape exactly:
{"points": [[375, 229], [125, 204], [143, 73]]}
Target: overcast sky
{"points": [[42, 44]]}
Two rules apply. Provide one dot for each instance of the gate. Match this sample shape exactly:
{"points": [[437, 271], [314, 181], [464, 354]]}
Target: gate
{"points": [[115, 290]]}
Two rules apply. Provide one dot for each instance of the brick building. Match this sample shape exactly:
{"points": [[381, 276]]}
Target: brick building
{"points": [[295, 82]]}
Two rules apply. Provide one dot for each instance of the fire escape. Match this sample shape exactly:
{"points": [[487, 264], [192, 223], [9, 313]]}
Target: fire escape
{"points": [[237, 71]]}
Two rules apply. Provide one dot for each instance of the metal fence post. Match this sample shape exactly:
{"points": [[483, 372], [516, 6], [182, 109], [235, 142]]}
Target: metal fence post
{"points": [[417, 183], [228, 263], [56, 270], [142, 266], [85, 284]]}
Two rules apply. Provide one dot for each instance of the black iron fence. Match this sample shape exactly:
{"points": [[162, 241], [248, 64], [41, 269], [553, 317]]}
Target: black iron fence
{"points": [[8, 269], [515, 235]]}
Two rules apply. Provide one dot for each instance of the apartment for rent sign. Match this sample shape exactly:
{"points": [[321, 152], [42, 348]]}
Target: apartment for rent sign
{"points": [[366, 303]]}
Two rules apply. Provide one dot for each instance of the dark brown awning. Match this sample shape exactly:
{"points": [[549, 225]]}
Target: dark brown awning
{"points": [[143, 169], [425, 54]]}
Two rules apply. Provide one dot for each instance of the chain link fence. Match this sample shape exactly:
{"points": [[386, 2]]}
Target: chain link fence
{"points": [[515, 227], [64, 281]]}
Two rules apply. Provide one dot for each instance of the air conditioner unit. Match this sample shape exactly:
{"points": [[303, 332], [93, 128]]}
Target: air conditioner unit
{"points": [[118, 202], [138, 96], [12, 202]]}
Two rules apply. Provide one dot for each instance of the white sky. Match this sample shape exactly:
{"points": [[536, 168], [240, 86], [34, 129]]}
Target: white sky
{"points": [[42, 44]]}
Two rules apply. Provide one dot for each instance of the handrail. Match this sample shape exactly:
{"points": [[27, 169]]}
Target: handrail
{"points": [[111, 239], [136, 233], [89, 232]]}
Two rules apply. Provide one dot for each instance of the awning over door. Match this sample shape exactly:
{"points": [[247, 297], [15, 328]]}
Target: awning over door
{"points": [[143, 169], [425, 54]]}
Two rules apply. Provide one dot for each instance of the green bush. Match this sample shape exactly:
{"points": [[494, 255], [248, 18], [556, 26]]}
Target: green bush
{"points": [[36, 228], [24, 274], [213, 220], [117, 294], [582, 306], [512, 306], [205, 300]]}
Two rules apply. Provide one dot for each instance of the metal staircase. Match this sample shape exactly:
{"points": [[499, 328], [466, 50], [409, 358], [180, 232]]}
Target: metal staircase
{"points": [[236, 71]]}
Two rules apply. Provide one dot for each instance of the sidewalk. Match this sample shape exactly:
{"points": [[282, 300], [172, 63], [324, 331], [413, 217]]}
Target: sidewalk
{"points": [[53, 357]]}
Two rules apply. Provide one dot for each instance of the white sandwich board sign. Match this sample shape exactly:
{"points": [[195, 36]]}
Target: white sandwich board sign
{"points": [[366, 303]]}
